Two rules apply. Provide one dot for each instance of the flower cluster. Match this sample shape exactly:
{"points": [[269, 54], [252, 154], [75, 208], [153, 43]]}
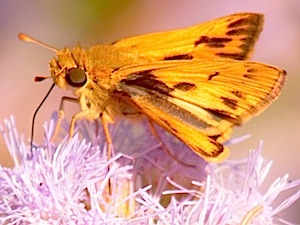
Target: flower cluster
{"points": [[76, 182]]}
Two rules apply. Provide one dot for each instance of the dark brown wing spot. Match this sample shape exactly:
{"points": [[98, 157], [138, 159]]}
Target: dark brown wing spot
{"points": [[225, 115], [249, 29], [251, 70], [215, 137], [184, 86], [235, 56], [178, 57], [231, 103], [244, 21], [214, 42], [238, 31], [218, 150], [146, 80], [237, 94], [211, 76], [249, 76]]}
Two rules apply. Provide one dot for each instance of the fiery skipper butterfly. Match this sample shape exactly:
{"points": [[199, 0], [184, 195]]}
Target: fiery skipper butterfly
{"points": [[193, 82]]}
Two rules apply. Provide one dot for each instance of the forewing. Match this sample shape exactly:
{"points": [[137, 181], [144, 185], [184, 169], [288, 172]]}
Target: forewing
{"points": [[230, 37]]}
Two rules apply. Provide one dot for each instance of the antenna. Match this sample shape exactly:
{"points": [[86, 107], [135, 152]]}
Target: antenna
{"points": [[24, 37], [34, 115]]}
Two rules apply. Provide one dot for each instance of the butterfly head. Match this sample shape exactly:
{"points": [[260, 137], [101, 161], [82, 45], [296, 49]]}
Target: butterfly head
{"points": [[67, 67]]}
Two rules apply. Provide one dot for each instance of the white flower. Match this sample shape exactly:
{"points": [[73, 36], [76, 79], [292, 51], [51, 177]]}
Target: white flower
{"points": [[76, 183]]}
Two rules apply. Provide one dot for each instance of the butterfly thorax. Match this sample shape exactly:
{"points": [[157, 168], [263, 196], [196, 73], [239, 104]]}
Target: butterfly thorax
{"points": [[98, 63]]}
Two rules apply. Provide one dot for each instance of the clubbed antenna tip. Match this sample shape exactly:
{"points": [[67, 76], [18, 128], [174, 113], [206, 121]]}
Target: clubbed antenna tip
{"points": [[27, 38]]}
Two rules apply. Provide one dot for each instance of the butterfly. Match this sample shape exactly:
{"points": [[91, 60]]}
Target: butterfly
{"points": [[196, 82]]}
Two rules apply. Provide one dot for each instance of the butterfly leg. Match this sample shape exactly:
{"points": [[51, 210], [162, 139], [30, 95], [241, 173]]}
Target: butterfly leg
{"points": [[61, 115], [80, 115], [107, 136], [164, 147], [109, 148]]}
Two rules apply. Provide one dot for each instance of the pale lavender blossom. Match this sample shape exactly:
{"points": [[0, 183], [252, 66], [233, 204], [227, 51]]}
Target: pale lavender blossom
{"points": [[76, 183]]}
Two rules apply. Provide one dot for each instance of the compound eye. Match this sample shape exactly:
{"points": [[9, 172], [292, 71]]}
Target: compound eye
{"points": [[76, 77]]}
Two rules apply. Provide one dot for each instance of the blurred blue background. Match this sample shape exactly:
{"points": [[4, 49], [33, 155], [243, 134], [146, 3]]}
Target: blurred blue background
{"points": [[65, 23]]}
